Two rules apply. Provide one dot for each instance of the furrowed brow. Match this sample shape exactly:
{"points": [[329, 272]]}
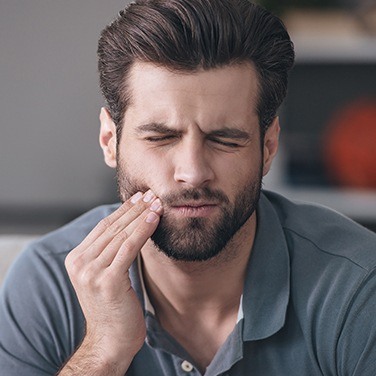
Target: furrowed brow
{"points": [[232, 133], [155, 128]]}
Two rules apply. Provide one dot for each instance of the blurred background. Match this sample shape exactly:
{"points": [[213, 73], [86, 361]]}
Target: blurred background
{"points": [[51, 165]]}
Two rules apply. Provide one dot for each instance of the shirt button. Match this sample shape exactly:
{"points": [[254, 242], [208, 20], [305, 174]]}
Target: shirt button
{"points": [[186, 366]]}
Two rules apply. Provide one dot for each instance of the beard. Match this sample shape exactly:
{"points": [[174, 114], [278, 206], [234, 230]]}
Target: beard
{"points": [[196, 239]]}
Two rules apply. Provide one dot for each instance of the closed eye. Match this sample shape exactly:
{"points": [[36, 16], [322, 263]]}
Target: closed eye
{"points": [[229, 138], [160, 138], [157, 132], [225, 143]]}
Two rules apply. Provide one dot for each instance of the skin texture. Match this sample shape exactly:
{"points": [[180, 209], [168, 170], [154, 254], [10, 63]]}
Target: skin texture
{"points": [[177, 136], [98, 269], [194, 140]]}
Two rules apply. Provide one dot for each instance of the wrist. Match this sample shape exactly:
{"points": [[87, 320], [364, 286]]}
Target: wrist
{"points": [[111, 352], [97, 360]]}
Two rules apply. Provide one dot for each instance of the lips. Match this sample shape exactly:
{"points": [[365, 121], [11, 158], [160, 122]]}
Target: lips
{"points": [[194, 209]]}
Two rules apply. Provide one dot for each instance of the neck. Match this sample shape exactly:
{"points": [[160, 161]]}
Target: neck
{"points": [[177, 288]]}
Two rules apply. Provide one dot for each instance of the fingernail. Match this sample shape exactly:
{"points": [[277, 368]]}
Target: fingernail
{"points": [[151, 217], [148, 196], [156, 205], [136, 197]]}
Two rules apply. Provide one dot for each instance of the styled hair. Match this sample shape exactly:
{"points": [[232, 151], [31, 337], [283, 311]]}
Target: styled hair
{"points": [[189, 35]]}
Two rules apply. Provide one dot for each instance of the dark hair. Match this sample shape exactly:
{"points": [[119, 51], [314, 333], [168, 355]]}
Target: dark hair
{"points": [[187, 35]]}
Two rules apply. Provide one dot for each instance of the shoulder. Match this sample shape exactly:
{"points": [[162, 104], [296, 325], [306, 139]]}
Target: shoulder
{"points": [[47, 253], [332, 283], [40, 319], [40, 270], [325, 231], [69, 236]]}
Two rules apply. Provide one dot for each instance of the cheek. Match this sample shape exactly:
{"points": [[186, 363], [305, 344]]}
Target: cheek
{"points": [[243, 174], [241, 167], [145, 168]]}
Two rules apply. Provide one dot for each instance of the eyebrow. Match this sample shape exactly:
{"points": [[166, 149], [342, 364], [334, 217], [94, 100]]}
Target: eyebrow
{"points": [[155, 127], [225, 132], [234, 133]]}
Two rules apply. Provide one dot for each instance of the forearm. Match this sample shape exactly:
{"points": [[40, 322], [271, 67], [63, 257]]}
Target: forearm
{"points": [[95, 361]]}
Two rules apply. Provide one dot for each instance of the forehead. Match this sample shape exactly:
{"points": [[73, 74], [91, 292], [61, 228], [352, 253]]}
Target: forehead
{"points": [[225, 94]]}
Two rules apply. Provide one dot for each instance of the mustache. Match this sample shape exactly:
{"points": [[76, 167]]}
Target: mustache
{"points": [[201, 194], [127, 188]]}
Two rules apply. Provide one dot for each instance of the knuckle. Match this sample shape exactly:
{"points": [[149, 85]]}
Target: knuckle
{"points": [[142, 231], [104, 224], [68, 261], [121, 236], [114, 229], [139, 208], [106, 282], [80, 273], [72, 264], [123, 208], [126, 252], [128, 246], [89, 278]]}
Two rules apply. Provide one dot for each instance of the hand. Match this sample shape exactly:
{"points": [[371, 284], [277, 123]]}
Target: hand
{"points": [[99, 271]]}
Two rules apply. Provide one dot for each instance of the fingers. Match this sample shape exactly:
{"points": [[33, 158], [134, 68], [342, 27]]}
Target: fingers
{"points": [[106, 224], [105, 240], [99, 271], [133, 236], [129, 249]]}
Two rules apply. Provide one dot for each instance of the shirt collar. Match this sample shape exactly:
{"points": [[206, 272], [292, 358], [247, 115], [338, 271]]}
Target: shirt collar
{"points": [[267, 286], [148, 307]]}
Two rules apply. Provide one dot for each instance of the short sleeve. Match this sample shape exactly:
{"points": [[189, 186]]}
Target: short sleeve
{"points": [[40, 320], [356, 351]]}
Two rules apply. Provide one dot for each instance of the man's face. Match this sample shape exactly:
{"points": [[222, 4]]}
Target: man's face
{"points": [[194, 139]]}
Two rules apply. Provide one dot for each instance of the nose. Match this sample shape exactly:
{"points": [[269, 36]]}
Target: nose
{"points": [[192, 165]]}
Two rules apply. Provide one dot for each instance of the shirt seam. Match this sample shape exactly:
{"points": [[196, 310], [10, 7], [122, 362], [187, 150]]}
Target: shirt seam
{"points": [[328, 252], [347, 308]]}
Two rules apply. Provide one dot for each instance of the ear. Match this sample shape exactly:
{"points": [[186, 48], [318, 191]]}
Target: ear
{"points": [[107, 137], [270, 144]]}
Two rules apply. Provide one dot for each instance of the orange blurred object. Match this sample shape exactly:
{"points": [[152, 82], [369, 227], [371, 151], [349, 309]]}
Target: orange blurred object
{"points": [[350, 145]]}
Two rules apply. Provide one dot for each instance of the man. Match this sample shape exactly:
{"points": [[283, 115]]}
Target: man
{"points": [[198, 272]]}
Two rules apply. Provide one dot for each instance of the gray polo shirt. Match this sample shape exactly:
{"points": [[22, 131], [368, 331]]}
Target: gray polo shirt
{"points": [[308, 306]]}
